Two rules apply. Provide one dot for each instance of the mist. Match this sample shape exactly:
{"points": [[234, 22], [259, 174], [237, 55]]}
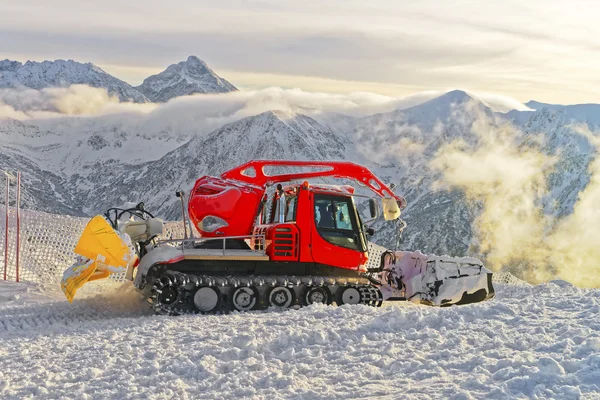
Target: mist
{"points": [[506, 176]]}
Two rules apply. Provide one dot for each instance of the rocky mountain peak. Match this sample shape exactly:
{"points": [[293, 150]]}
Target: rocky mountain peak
{"points": [[184, 78]]}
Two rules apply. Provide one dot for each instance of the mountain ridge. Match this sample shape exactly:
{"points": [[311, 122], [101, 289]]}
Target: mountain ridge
{"points": [[63, 73], [192, 76]]}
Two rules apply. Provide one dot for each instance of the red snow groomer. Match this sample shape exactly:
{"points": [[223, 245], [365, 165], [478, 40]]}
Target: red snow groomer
{"points": [[298, 244]]}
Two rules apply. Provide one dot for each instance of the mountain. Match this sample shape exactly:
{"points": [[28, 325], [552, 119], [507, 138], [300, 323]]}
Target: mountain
{"points": [[399, 147], [557, 125], [536, 105], [84, 165], [129, 162], [187, 77], [61, 73], [182, 79]]}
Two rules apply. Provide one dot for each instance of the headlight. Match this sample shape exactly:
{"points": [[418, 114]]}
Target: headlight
{"points": [[211, 223]]}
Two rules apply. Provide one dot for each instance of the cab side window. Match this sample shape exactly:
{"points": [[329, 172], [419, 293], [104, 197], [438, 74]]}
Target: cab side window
{"points": [[290, 209]]}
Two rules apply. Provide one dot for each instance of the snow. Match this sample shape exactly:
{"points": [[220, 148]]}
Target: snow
{"points": [[529, 342]]}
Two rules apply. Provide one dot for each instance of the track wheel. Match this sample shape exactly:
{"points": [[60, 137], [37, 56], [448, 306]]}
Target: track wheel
{"points": [[168, 295], [316, 295], [281, 297], [348, 295], [207, 300], [244, 298]]}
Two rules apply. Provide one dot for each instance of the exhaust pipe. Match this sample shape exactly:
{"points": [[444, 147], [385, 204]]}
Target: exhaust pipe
{"points": [[181, 195]]}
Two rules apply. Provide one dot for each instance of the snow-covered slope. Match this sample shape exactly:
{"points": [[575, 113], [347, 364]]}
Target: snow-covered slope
{"points": [[529, 342], [61, 73], [66, 160], [85, 157], [182, 79]]}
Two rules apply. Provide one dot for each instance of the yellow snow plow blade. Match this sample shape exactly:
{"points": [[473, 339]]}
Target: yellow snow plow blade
{"points": [[103, 252]]}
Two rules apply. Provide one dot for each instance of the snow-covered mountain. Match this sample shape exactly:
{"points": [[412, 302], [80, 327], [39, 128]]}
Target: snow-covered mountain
{"points": [[400, 145], [82, 166], [185, 78], [182, 79], [61, 73], [557, 125]]}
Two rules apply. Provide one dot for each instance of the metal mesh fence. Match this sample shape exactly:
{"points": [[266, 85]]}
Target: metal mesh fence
{"points": [[507, 278], [47, 243]]}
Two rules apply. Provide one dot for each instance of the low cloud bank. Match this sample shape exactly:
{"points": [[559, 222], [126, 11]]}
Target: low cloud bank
{"points": [[82, 100]]}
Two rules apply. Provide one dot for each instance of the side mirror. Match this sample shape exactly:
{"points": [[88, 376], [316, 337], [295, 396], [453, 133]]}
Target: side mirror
{"points": [[370, 231], [373, 208]]}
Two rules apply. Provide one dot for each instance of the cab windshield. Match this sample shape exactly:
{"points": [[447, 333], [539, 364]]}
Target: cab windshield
{"points": [[336, 221]]}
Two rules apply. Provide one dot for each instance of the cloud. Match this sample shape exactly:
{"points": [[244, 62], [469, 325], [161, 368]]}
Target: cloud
{"points": [[349, 54], [500, 103], [507, 177], [68, 101], [507, 180], [574, 241], [8, 112], [480, 46]]}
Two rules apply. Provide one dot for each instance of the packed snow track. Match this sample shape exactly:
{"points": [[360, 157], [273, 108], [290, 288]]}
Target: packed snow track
{"points": [[529, 342]]}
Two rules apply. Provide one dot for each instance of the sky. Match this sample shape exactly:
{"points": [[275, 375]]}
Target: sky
{"points": [[547, 50]]}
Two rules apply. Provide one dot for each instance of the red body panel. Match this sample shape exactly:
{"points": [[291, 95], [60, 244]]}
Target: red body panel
{"points": [[284, 242], [235, 203]]}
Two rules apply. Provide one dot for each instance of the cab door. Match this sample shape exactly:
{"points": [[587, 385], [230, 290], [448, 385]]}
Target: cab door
{"points": [[336, 236]]}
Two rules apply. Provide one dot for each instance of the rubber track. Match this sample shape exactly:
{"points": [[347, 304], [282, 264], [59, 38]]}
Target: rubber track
{"points": [[186, 284]]}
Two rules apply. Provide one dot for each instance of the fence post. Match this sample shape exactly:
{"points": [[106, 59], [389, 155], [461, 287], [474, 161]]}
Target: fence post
{"points": [[18, 223], [6, 231]]}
